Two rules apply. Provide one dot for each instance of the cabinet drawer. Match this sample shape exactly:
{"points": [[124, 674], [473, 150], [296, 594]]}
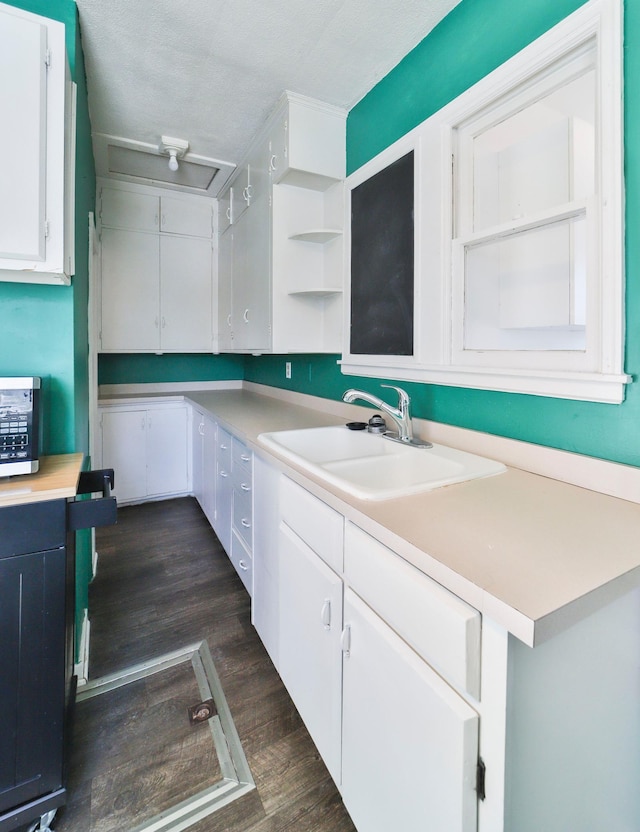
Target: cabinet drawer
{"points": [[319, 526], [440, 627], [242, 562], [242, 462], [243, 514]]}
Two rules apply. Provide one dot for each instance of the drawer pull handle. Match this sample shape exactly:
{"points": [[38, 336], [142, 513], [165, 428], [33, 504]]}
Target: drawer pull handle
{"points": [[245, 523], [223, 447], [223, 474], [325, 614], [245, 458], [345, 641], [245, 487], [242, 564]]}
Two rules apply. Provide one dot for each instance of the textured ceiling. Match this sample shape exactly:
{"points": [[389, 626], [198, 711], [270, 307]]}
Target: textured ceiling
{"points": [[211, 71]]}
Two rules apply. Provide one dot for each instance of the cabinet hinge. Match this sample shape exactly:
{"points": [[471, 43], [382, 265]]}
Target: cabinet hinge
{"points": [[47, 58], [46, 228], [481, 773]]}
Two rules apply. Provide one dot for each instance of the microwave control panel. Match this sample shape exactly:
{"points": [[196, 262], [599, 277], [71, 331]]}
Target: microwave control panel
{"points": [[18, 428]]}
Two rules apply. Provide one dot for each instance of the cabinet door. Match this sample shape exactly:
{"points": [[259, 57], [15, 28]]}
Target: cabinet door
{"points": [[124, 450], [32, 689], [36, 168], [409, 742], [310, 629], [191, 217], [265, 603], [225, 277], [23, 103], [134, 211], [251, 303], [278, 145], [167, 446], [186, 294], [130, 291]]}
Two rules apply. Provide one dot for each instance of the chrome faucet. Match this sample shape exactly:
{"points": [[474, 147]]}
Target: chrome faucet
{"points": [[401, 415]]}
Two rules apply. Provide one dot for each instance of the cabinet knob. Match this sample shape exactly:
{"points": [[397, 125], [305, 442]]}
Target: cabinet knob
{"points": [[228, 213], [223, 474], [245, 457], [247, 194], [245, 487], [243, 565], [245, 316], [273, 162], [245, 523]]}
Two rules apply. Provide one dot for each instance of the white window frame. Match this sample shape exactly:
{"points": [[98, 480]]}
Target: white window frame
{"points": [[593, 375]]}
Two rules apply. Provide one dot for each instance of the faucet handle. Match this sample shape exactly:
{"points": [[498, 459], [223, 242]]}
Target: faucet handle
{"points": [[403, 396]]}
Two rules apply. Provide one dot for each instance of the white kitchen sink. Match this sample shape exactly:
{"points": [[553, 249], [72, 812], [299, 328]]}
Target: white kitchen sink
{"points": [[371, 467]]}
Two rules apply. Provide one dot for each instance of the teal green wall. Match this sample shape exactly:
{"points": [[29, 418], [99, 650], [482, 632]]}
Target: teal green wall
{"points": [[43, 329], [475, 38], [132, 369]]}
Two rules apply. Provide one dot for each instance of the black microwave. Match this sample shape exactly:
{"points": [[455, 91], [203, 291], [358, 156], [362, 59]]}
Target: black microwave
{"points": [[20, 425]]}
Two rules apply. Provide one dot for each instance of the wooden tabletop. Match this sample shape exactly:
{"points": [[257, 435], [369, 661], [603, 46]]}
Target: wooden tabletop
{"points": [[56, 479]]}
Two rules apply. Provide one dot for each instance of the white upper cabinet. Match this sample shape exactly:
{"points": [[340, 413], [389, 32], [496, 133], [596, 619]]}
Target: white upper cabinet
{"points": [[307, 143], [37, 150], [281, 249], [515, 229], [157, 271]]}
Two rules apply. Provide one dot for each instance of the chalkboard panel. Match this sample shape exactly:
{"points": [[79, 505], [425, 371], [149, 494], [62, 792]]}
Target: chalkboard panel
{"points": [[382, 262]]}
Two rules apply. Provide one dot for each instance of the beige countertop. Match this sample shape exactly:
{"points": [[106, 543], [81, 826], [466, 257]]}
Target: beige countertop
{"points": [[56, 479], [532, 553]]}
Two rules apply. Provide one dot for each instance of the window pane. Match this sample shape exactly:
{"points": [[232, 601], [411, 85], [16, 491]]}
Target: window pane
{"points": [[537, 159], [527, 291]]}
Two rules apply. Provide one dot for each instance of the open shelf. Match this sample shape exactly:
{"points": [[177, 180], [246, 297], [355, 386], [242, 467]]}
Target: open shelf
{"points": [[317, 235], [317, 292]]}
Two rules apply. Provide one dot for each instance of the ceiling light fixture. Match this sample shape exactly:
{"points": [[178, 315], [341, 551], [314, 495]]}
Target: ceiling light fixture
{"points": [[175, 149]]}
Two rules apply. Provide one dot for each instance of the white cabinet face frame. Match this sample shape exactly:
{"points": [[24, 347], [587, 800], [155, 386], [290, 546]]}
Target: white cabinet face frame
{"points": [[575, 322]]}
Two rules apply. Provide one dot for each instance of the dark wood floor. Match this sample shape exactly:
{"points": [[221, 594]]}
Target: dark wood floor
{"points": [[164, 583]]}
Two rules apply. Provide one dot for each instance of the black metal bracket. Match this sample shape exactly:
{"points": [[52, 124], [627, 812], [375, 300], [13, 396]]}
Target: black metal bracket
{"points": [[102, 511]]}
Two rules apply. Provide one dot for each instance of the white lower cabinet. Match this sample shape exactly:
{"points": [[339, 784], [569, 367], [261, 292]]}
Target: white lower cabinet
{"points": [[147, 446], [310, 661], [399, 739], [409, 741]]}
